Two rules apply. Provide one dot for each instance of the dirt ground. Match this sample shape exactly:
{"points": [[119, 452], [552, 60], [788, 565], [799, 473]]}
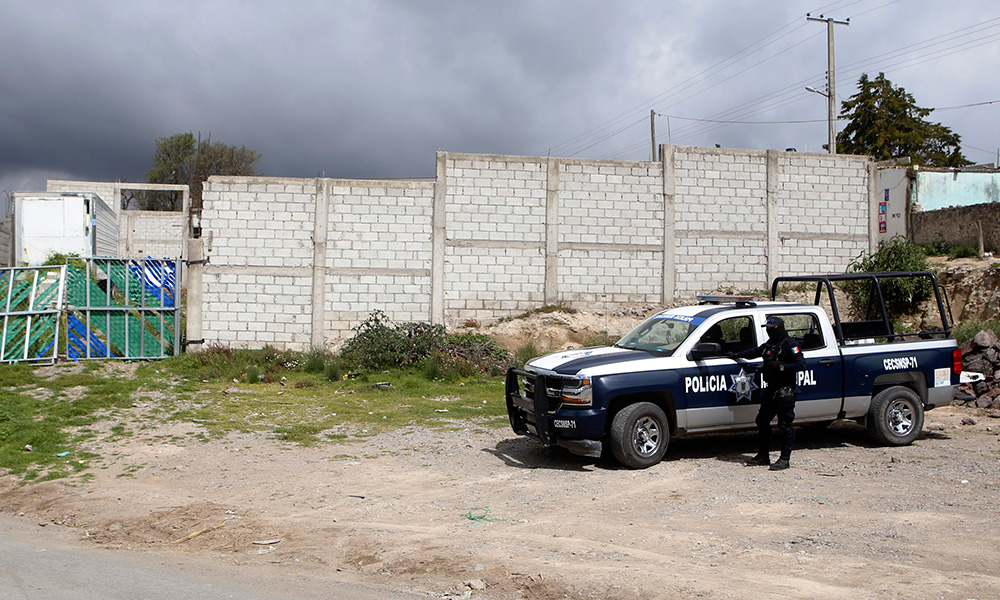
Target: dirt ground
{"points": [[481, 513]]}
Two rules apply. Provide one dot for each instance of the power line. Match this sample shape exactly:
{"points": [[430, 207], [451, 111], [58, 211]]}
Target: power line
{"points": [[944, 108], [954, 42], [705, 73], [911, 61], [742, 122]]}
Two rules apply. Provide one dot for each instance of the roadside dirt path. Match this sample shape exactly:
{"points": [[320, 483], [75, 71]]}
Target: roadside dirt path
{"points": [[481, 512]]}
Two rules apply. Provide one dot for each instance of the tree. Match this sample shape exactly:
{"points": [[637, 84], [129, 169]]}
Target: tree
{"points": [[885, 123], [182, 159]]}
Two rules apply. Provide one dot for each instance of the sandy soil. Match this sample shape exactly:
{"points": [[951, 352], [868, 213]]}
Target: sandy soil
{"points": [[486, 513]]}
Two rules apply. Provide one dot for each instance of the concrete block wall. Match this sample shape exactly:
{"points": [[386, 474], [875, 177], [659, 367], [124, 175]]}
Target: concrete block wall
{"points": [[151, 234], [298, 263], [257, 287], [610, 232], [378, 252], [721, 220], [823, 213], [494, 234]]}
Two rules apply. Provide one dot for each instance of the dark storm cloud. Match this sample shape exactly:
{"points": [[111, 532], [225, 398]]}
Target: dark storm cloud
{"points": [[372, 89]]}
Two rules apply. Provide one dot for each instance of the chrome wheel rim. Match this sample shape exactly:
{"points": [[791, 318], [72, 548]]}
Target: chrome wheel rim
{"points": [[646, 436], [900, 417]]}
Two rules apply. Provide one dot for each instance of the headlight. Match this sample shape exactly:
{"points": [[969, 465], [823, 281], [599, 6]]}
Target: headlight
{"points": [[575, 391]]}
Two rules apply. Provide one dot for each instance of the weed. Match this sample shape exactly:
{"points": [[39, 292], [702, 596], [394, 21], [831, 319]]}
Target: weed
{"points": [[315, 361], [333, 371], [525, 353], [600, 340]]}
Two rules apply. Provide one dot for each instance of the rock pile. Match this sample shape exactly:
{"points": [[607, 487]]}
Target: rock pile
{"points": [[981, 354]]}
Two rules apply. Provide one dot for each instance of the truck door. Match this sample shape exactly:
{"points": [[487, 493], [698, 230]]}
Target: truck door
{"points": [[821, 384], [719, 392]]}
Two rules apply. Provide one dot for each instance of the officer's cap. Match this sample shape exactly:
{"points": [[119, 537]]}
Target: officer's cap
{"points": [[773, 322]]}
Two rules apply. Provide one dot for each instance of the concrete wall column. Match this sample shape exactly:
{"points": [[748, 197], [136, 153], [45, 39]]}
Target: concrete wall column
{"points": [[552, 232], [669, 223], [194, 270], [439, 232], [771, 208], [320, 226]]}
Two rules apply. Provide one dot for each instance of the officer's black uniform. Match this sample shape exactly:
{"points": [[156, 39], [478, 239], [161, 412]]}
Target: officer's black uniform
{"points": [[782, 360]]}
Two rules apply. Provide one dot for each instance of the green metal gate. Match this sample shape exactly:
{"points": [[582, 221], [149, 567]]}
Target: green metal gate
{"points": [[122, 308], [31, 300]]}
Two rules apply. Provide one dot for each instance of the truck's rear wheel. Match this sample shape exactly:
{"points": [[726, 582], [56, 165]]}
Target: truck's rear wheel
{"points": [[895, 416], [639, 435]]}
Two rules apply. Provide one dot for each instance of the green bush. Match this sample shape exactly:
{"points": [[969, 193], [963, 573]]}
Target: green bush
{"points": [[901, 295], [964, 250], [253, 374], [378, 344]]}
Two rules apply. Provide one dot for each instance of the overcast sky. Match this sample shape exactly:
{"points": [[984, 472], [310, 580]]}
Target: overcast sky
{"points": [[371, 89]]}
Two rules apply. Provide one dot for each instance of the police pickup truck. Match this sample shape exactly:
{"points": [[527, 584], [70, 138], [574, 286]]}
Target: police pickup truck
{"points": [[671, 375]]}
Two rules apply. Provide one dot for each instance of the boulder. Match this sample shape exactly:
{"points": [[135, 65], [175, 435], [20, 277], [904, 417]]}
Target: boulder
{"points": [[990, 354], [985, 339], [977, 364]]}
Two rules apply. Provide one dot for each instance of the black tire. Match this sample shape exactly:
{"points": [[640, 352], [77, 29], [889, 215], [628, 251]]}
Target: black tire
{"points": [[896, 416], [639, 435]]}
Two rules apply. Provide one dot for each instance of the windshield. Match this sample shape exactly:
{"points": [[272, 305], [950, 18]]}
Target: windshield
{"points": [[660, 334]]}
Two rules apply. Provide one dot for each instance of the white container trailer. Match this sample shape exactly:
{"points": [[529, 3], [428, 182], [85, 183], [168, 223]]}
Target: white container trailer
{"points": [[74, 224]]}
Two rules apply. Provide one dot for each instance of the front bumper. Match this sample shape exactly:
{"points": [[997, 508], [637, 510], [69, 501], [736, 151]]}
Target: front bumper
{"points": [[579, 430]]}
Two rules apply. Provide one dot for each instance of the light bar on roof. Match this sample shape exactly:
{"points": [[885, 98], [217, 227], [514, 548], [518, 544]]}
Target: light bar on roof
{"points": [[723, 299]]}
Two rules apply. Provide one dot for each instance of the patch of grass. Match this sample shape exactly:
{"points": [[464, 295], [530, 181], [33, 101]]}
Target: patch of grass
{"points": [[53, 415], [966, 249], [966, 330], [348, 408], [300, 398]]}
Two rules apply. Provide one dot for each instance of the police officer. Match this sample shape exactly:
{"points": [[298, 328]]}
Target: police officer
{"points": [[782, 360]]}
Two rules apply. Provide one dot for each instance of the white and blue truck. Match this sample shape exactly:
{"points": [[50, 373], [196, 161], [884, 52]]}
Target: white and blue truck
{"points": [[673, 375]]}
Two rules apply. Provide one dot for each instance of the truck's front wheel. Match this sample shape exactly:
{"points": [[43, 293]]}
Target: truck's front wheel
{"points": [[896, 416], [639, 435]]}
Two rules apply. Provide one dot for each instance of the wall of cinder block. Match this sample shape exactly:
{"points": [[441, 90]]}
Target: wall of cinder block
{"points": [[299, 262]]}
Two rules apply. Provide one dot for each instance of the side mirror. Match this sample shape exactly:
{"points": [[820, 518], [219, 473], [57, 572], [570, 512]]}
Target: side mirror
{"points": [[705, 350]]}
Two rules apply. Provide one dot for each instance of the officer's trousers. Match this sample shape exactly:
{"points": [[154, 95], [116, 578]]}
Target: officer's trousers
{"points": [[770, 408]]}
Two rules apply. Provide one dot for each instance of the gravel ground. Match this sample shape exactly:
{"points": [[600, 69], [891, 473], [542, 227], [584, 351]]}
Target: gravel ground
{"points": [[481, 513]]}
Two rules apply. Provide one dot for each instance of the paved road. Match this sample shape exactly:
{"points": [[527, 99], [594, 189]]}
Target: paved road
{"points": [[50, 563]]}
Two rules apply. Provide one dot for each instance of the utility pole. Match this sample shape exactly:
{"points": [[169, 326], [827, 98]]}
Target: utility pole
{"points": [[831, 86], [652, 130]]}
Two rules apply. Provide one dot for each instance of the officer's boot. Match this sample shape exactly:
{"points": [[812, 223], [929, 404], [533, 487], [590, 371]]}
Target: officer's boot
{"points": [[781, 464], [761, 459]]}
